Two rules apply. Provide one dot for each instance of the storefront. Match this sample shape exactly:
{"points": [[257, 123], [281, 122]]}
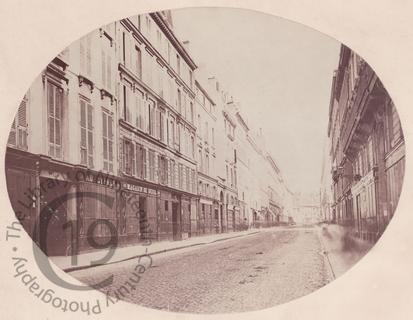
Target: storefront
{"points": [[69, 209], [365, 207]]}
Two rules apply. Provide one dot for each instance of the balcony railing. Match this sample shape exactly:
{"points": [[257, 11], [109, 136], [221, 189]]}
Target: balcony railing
{"points": [[357, 104]]}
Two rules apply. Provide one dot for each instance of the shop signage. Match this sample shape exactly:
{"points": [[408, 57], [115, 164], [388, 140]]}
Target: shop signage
{"points": [[133, 187]]}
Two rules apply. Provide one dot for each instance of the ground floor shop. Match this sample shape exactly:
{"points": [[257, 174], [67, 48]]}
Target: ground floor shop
{"points": [[68, 209]]}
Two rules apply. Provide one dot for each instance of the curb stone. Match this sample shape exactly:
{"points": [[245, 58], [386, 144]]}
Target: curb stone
{"points": [[71, 269]]}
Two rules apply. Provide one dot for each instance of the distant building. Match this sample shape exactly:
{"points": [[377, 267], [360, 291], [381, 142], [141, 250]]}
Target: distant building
{"points": [[367, 148], [306, 209], [326, 193]]}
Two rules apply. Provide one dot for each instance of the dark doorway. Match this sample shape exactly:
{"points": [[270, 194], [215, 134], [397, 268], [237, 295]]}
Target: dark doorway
{"points": [[176, 230], [53, 217], [143, 219]]}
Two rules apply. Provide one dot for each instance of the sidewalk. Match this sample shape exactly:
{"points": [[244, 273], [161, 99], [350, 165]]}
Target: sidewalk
{"points": [[85, 260], [342, 250]]}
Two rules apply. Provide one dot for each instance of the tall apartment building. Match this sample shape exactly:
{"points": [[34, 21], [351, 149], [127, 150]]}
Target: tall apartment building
{"points": [[245, 166], [112, 115], [367, 148], [117, 143], [209, 215]]}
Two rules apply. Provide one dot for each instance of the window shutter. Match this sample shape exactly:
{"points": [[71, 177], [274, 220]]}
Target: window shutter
{"points": [[144, 174], [158, 124], [22, 114], [132, 158], [159, 169], [83, 132], [121, 164], [12, 134], [105, 140], [22, 125]]}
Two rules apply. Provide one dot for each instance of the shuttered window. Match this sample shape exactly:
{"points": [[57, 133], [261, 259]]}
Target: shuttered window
{"points": [[172, 180], [107, 123], [152, 118], [180, 176], [158, 124], [18, 132], [140, 114], [129, 157], [86, 133], [140, 161], [151, 165], [54, 107], [188, 179]]}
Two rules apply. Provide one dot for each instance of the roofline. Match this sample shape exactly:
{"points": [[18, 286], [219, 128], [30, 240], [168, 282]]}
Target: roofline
{"points": [[197, 84], [158, 18]]}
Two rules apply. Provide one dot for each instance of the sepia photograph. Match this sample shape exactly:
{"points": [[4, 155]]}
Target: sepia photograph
{"points": [[204, 160]]}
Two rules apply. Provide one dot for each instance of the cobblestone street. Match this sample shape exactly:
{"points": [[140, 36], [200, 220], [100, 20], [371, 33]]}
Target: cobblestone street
{"points": [[243, 274]]}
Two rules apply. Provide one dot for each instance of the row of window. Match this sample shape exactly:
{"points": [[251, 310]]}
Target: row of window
{"points": [[156, 77], [87, 130], [204, 101], [204, 132], [204, 163], [151, 118], [147, 164], [89, 53], [365, 159], [231, 174], [206, 190], [145, 24]]}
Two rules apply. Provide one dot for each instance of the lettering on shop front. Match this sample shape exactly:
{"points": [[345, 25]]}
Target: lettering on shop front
{"points": [[132, 187]]}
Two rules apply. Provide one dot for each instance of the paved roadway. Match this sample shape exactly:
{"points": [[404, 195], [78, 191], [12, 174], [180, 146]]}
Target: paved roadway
{"points": [[243, 274]]}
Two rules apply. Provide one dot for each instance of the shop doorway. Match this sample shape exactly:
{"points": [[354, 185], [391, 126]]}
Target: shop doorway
{"points": [[143, 219], [176, 230], [53, 218]]}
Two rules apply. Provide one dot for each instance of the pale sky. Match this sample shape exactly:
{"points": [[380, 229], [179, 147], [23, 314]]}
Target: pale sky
{"points": [[279, 71]]}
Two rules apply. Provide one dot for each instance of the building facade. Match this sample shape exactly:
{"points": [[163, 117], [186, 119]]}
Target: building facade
{"points": [[367, 149], [118, 142], [209, 215]]}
